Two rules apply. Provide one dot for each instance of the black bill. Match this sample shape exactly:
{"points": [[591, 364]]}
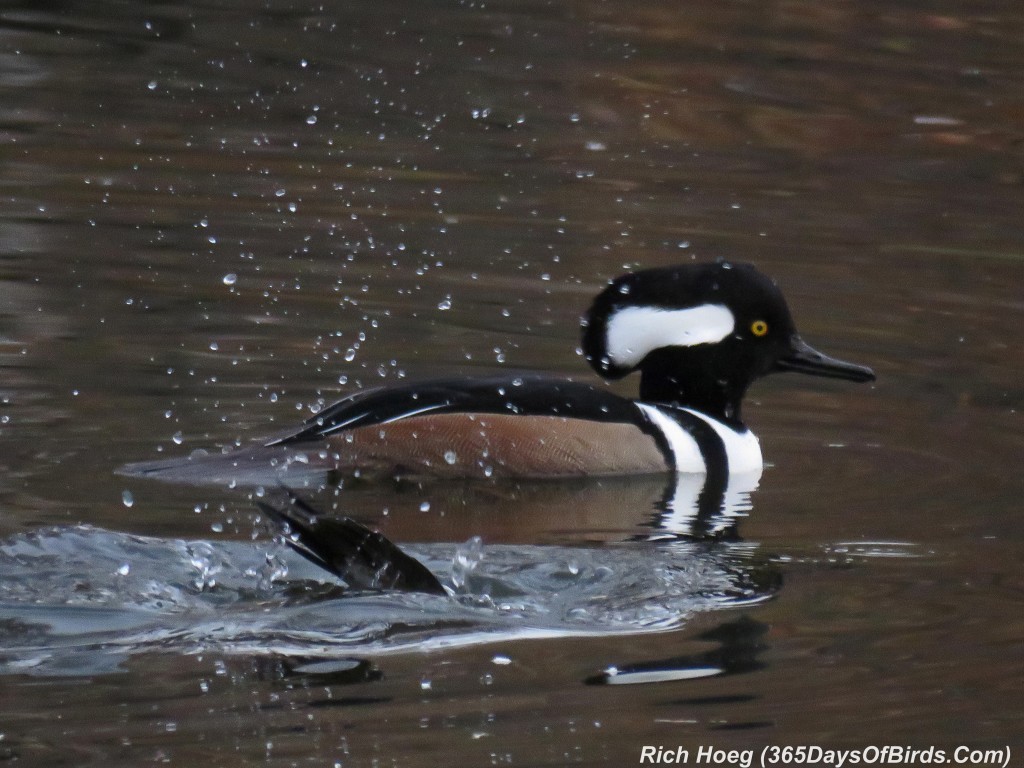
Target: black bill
{"points": [[803, 358]]}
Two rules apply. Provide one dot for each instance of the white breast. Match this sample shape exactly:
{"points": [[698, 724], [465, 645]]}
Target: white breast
{"points": [[743, 452], [743, 449], [686, 453]]}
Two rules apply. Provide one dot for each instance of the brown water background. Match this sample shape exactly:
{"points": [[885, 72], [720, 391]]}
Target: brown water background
{"points": [[217, 216]]}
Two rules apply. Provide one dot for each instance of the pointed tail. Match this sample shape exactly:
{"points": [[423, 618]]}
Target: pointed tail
{"points": [[365, 559]]}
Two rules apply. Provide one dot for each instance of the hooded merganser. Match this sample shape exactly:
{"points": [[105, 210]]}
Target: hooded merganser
{"points": [[699, 334]]}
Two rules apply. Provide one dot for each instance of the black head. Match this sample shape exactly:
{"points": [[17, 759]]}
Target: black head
{"points": [[700, 334]]}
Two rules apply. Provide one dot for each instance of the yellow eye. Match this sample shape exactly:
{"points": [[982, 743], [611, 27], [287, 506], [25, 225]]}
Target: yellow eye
{"points": [[759, 327]]}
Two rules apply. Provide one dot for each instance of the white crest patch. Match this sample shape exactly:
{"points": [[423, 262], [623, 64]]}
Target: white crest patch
{"points": [[633, 332]]}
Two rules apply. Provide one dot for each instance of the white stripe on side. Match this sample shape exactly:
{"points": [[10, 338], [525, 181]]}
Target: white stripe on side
{"points": [[633, 332], [743, 452], [742, 449], [686, 456]]}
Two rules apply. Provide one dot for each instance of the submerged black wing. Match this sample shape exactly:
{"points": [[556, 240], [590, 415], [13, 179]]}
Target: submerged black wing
{"points": [[521, 395], [365, 559]]}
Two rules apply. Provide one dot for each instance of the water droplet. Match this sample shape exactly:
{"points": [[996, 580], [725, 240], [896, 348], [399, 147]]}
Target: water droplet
{"points": [[178, 438], [446, 304], [124, 570], [501, 660], [214, 346], [450, 457], [230, 278], [425, 506], [127, 499], [467, 558]]}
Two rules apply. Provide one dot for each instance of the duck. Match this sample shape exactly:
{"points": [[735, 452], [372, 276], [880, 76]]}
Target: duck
{"points": [[697, 334]]}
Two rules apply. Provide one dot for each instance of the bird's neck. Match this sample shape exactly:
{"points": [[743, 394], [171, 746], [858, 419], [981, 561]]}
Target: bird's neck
{"points": [[719, 399]]}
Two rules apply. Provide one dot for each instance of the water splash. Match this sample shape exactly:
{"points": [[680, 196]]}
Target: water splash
{"points": [[75, 599], [467, 558]]}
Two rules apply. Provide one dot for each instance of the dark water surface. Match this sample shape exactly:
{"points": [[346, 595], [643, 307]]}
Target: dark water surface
{"points": [[218, 217]]}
